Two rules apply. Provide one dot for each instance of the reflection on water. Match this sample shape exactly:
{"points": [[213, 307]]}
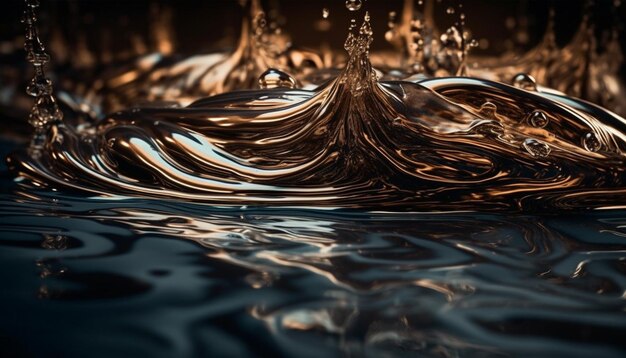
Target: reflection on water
{"points": [[102, 278], [110, 276]]}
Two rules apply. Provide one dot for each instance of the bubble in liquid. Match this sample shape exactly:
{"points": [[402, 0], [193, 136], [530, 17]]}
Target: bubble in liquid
{"points": [[525, 82], [273, 78], [487, 128], [325, 13], [488, 109], [353, 5], [450, 10], [536, 148], [538, 119], [591, 142]]}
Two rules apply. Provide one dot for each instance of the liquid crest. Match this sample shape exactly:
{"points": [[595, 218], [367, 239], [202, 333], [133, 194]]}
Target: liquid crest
{"points": [[355, 142]]}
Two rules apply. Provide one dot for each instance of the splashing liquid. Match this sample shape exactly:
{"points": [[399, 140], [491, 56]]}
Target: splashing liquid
{"points": [[440, 144], [154, 79], [45, 110], [425, 51], [240, 280], [579, 69]]}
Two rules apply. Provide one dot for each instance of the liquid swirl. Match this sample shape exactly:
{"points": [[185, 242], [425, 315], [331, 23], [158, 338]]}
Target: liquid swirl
{"points": [[438, 144]]}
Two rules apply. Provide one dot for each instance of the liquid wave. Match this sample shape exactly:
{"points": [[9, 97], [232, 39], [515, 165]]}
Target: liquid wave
{"points": [[436, 144]]}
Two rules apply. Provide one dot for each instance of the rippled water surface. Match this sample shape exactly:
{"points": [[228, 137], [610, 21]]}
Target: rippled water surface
{"points": [[155, 278]]}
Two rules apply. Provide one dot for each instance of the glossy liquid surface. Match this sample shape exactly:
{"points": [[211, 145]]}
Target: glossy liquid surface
{"points": [[155, 278], [242, 203]]}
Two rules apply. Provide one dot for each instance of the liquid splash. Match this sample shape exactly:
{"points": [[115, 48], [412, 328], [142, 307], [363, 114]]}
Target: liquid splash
{"points": [[583, 68], [160, 79], [168, 276], [424, 50], [45, 111], [436, 144]]}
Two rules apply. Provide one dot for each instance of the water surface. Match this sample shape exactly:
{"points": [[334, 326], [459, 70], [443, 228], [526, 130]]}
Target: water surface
{"points": [[157, 278]]}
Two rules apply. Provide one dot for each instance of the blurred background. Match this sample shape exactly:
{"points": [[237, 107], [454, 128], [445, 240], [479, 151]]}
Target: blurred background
{"points": [[86, 38], [199, 26]]}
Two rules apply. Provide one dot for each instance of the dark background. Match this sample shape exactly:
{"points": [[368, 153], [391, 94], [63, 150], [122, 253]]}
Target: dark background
{"points": [[200, 25]]}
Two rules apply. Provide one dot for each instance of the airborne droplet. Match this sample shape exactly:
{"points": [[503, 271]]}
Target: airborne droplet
{"points": [[525, 82], [353, 5], [536, 148], [273, 78], [591, 142], [450, 10], [538, 119], [325, 13]]}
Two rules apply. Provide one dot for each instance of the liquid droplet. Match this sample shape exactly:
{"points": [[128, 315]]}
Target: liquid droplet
{"points": [[45, 109], [273, 78], [536, 148], [488, 109], [325, 13], [538, 119], [39, 86], [354, 5], [591, 142], [450, 10], [525, 82], [391, 35], [487, 128], [352, 24]]}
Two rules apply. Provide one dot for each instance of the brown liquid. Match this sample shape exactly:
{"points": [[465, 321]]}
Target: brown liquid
{"points": [[440, 144]]}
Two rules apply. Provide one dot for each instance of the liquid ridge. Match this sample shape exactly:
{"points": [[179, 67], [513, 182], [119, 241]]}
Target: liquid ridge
{"points": [[439, 144]]}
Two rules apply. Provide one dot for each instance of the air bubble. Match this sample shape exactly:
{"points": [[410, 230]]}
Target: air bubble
{"points": [[487, 128], [525, 82], [591, 142], [488, 110], [273, 78], [536, 148], [538, 119]]}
